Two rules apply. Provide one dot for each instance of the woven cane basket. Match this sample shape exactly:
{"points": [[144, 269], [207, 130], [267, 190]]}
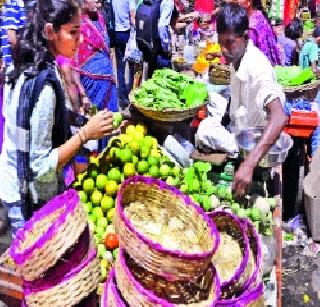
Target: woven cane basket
{"points": [[173, 264], [219, 74], [72, 288], [48, 235], [231, 225], [249, 298], [167, 115], [136, 295], [306, 91], [111, 296], [256, 249]]}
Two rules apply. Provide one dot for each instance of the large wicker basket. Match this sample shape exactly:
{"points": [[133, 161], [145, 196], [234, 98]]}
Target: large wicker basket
{"points": [[232, 225], [48, 235], [219, 74], [111, 296], [306, 91], [72, 288], [167, 115], [173, 264], [249, 298], [136, 295], [255, 246]]}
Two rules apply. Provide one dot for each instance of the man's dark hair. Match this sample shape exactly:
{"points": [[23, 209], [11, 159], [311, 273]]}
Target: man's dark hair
{"points": [[294, 29], [316, 32], [232, 18]]}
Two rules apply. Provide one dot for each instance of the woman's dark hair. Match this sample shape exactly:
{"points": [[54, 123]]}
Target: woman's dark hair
{"points": [[294, 29], [31, 53], [232, 18]]}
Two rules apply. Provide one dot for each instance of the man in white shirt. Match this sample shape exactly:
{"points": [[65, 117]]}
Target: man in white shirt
{"points": [[253, 88]]}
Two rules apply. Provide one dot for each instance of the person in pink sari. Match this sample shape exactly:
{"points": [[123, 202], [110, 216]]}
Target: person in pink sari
{"points": [[93, 61]]}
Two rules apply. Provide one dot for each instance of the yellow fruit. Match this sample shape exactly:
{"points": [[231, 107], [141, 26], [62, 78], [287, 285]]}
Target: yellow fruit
{"points": [[111, 187], [104, 263], [131, 130], [138, 136], [141, 129]]}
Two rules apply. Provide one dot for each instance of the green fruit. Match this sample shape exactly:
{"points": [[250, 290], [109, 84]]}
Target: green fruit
{"points": [[97, 213], [242, 213], [176, 171], [115, 253], [125, 155], [153, 161], [87, 207], [101, 250], [255, 214], [129, 170], [147, 141], [164, 171], [106, 203], [92, 218], [91, 226], [195, 186], [110, 214], [103, 272], [145, 151], [101, 182], [100, 231], [103, 222], [143, 167], [96, 198], [235, 208], [154, 171], [116, 120], [88, 186], [114, 174], [134, 145], [171, 181], [111, 187], [83, 196], [184, 188], [135, 159]]}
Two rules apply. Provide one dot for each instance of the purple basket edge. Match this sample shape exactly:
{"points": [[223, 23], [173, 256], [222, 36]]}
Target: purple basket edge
{"points": [[70, 198], [90, 257], [245, 259], [214, 231], [254, 275]]}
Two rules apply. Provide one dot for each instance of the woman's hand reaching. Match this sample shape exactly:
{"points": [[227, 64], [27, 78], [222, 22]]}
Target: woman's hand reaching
{"points": [[98, 126]]}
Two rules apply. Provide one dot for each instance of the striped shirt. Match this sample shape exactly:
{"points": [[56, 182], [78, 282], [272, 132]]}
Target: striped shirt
{"points": [[13, 18]]}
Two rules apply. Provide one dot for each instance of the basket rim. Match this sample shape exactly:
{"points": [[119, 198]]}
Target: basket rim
{"points": [[92, 254], [187, 201], [248, 224], [245, 258], [164, 111], [151, 295], [245, 298], [69, 198], [111, 281], [312, 85]]}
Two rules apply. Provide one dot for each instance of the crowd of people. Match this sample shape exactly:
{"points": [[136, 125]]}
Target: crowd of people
{"points": [[57, 56]]}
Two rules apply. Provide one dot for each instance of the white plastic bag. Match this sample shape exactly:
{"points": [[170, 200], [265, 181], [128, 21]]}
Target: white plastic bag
{"points": [[132, 53]]}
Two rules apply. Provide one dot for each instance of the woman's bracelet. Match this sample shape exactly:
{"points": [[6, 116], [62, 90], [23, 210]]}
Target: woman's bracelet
{"points": [[83, 137]]}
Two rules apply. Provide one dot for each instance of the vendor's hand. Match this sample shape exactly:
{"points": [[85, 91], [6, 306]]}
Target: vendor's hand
{"points": [[242, 178], [99, 125]]}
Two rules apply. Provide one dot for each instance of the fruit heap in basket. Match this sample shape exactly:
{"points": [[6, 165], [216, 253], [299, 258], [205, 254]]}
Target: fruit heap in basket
{"points": [[168, 89]]}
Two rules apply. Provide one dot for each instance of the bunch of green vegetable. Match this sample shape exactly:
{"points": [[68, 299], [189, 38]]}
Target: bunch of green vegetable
{"points": [[293, 75], [168, 89]]}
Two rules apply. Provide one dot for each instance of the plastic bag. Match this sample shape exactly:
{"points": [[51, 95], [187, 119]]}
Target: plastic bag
{"points": [[132, 53]]}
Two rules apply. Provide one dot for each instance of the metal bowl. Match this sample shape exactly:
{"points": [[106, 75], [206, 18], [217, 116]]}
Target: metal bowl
{"points": [[248, 139]]}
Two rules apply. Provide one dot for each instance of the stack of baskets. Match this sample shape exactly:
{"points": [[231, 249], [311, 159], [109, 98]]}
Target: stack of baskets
{"points": [[55, 254], [148, 272], [306, 91]]}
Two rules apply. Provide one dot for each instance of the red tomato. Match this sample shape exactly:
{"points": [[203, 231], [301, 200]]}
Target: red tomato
{"points": [[111, 241]]}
